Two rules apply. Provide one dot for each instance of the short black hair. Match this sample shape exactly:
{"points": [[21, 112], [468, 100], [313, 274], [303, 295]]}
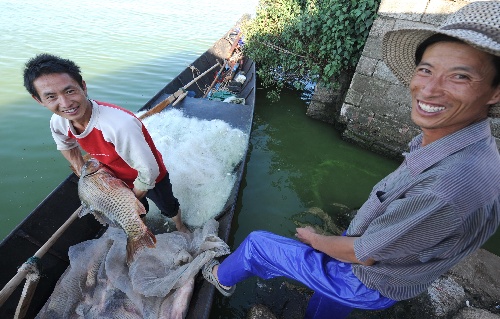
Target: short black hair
{"points": [[438, 37], [45, 63]]}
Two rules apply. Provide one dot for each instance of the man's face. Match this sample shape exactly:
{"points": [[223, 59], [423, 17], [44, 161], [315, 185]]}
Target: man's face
{"points": [[451, 89], [61, 94]]}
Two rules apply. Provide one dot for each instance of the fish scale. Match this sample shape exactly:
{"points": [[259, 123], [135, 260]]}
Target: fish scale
{"points": [[112, 202]]}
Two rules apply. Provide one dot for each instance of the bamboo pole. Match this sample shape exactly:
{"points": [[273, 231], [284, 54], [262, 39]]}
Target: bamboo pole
{"points": [[23, 271]]}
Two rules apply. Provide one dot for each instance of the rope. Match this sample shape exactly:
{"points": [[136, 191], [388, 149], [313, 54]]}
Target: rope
{"points": [[193, 71], [32, 267]]}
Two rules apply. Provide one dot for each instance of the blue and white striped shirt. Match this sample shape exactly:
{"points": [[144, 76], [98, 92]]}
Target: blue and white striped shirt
{"points": [[440, 205]]}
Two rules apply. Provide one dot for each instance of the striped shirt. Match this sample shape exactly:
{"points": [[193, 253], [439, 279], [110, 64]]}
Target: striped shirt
{"points": [[440, 205]]}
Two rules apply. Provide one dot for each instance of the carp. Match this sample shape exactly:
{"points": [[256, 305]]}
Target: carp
{"points": [[111, 202]]}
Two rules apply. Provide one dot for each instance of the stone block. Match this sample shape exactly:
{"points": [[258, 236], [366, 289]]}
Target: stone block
{"points": [[383, 72], [446, 295], [366, 65], [369, 85], [475, 313], [479, 272], [400, 94], [437, 10], [353, 97], [405, 24], [380, 26], [406, 10], [373, 48]]}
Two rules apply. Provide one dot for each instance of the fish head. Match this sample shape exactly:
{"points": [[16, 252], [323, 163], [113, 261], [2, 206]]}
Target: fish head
{"points": [[90, 166]]}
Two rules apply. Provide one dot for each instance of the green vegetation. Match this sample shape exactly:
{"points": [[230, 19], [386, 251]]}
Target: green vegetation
{"points": [[295, 41]]}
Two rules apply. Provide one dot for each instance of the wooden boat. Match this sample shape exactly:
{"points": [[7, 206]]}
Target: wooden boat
{"points": [[54, 211]]}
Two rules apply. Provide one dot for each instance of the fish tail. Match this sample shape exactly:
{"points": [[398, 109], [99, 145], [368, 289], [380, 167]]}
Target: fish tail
{"points": [[134, 244]]}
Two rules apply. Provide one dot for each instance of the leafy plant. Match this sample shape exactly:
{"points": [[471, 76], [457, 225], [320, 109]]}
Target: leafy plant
{"points": [[297, 41]]}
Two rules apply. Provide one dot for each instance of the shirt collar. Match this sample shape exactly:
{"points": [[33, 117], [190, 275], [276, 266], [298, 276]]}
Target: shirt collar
{"points": [[421, 157]]}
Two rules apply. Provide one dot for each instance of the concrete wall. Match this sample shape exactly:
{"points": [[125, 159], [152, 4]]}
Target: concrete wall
{"points": [[376, 110]]}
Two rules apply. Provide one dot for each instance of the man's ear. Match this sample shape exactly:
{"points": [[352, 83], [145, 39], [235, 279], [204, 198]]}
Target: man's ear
{"points": [[36, 99], [495, 98], [84, 87]]}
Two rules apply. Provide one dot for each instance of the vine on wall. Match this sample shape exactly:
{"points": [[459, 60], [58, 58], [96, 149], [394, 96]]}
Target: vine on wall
{"points": [[295, 42]]}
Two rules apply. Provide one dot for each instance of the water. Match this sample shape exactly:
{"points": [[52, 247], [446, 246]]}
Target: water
{"points": [[128, 52]]}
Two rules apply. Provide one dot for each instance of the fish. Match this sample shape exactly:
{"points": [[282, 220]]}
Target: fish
{"points": [[113, 203]]}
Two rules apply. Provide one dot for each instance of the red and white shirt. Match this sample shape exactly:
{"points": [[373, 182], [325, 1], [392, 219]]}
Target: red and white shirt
{"points": [[119, 140]]}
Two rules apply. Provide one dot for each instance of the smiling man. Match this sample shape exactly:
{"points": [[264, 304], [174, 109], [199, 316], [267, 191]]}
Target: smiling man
{"points": [[108, 133], [439, 206]]}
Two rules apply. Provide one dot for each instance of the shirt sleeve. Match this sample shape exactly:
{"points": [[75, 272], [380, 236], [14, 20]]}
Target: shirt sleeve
{"points": [[409, 226], [59, 130], [131, 145]]}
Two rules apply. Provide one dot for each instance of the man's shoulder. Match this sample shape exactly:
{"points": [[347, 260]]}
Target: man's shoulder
{"points": [[114, 114], [58, 123], [112, 108]]}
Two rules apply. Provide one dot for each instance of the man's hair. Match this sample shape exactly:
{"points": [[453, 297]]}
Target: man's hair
{"points": [[445, 38], [44, 64]]}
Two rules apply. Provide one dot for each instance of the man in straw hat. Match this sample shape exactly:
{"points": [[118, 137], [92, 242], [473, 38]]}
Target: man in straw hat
{"points": [[439, 206]]}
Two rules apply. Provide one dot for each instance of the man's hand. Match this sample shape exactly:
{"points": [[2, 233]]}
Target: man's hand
{"points": [[338, 247], [305, 234], [138, 193]]}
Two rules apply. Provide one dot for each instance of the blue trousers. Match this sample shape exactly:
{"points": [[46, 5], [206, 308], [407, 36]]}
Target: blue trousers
{"points": [[337, 291]]}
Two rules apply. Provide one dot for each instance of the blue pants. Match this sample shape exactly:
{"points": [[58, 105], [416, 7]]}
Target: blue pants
{"points": [[336, 289]]}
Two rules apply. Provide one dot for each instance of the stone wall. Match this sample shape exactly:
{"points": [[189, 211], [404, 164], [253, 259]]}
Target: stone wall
{"points": [[375, 112]]}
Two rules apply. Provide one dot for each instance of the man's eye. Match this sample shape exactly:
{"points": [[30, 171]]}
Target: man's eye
{"points": [[423, 70], [461, 77]]}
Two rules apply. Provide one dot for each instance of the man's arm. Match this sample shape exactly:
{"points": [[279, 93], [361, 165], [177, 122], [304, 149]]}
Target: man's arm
{"points": [[75, 158], [338, 247]]}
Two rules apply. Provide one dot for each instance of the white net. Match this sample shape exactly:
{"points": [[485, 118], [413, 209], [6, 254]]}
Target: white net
{"points": [[200, 157]]}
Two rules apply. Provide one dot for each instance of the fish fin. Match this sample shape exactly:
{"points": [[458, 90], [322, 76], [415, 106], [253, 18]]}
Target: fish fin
{"points": [[147, 239], [141, 210], [101, 218]]}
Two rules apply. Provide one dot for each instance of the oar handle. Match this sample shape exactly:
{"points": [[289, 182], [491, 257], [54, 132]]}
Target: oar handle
{"points": [[163, 104], [21, 274]]}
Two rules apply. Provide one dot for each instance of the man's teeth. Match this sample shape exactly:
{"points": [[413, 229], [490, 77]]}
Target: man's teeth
{"points": [[70, 111], [429, 108]]}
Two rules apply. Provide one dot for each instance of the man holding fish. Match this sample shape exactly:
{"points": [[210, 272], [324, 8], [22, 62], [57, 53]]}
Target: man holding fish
{"points": [[108, 133]]}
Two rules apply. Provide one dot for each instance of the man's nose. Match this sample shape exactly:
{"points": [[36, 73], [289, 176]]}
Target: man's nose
{"points": [[433, 85], [64, 101]]}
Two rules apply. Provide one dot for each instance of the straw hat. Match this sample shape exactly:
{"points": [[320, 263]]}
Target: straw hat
{"points": [[477, 24]]}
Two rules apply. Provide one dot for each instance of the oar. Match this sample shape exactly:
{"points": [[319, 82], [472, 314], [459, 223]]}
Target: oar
{"points": [[215, 79], [163, 104], [22, 272]]}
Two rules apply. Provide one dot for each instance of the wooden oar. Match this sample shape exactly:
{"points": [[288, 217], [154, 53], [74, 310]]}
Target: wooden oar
{"points": [[163, 104], [22, 272], [215, 79]]}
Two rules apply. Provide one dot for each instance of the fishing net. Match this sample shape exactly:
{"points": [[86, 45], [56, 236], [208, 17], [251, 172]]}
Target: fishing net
{"points": [[158, 283], [201, 157]]}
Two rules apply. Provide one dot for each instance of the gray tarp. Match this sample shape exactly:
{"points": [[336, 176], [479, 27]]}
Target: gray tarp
{"points": [[158, 283]]}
